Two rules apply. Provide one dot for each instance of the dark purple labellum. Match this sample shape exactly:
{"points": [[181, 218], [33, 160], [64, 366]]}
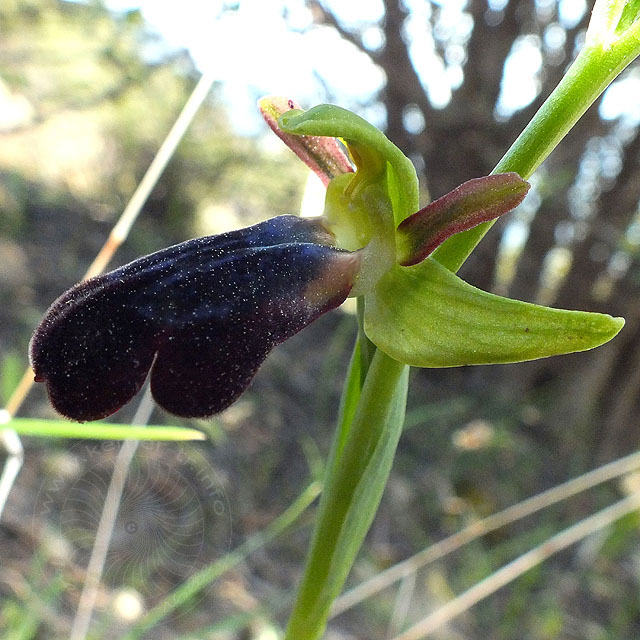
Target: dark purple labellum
{"points": [[202, 315]]}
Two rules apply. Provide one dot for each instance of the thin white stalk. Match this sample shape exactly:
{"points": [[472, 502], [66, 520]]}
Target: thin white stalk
{"points": [[532, 558], [480, 528], [121, 230], [95, 567], [118, 235], [12, 444], [401, 605]]}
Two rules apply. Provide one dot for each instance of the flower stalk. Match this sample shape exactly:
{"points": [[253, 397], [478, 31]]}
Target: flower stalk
{"points": [[595, 67]]}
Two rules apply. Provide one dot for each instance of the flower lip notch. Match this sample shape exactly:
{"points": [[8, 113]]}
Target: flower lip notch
{"points": [[201, 315]]}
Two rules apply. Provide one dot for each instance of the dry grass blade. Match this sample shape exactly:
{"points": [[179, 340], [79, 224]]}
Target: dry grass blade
{"points": [[401, 605], [482, 527], [521, 565], [14, 582], [95, 568]]}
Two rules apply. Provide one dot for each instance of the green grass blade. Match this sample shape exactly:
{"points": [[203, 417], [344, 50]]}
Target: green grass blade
{"points": [[99, 431]]}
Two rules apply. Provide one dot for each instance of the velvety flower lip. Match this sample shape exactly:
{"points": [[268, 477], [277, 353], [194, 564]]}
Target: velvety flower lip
{"points": [[201, 315]]}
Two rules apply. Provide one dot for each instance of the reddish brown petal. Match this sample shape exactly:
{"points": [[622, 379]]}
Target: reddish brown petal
{"points": [[468, 205], [323, 155]]}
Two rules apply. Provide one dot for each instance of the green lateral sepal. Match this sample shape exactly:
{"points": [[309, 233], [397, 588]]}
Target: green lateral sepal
{"points": [[426, 316]]}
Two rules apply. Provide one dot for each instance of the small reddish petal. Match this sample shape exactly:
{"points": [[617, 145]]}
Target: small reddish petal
{"points": [[323, 155], [468, 205]]}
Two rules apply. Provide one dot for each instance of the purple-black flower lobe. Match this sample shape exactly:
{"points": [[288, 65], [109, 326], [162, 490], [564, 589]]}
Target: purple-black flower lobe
{"points": [[202, 315]]}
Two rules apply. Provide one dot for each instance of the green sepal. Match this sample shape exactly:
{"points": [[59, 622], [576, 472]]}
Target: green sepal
{"points": [[426, 316], [373, 153]]}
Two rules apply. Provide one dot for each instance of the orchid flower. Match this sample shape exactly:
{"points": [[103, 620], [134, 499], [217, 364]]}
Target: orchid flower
{"points": [[204, 314]]}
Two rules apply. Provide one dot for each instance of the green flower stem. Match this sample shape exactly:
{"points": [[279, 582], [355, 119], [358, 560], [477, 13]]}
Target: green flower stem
{"points": [[593, 70], [357, 473], [367, 348]]}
